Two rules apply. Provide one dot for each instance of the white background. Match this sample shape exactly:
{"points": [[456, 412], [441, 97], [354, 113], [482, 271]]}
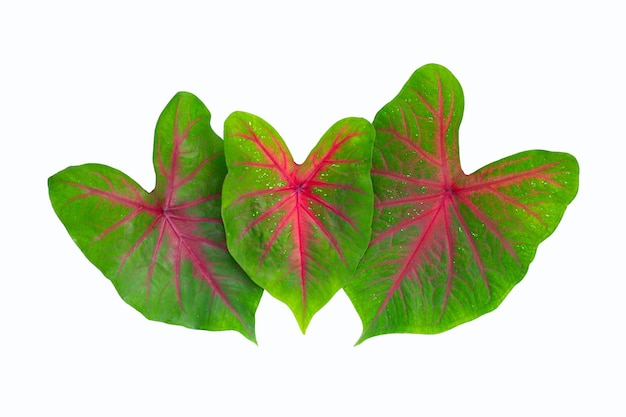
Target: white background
{"points": [[86, 83]]}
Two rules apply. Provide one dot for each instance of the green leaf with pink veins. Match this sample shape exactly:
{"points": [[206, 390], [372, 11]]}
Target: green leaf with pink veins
{"points": [[448, 247], [298, 230], [165, 251]]}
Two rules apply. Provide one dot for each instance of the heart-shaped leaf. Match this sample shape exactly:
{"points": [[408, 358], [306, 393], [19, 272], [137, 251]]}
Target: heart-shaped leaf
{"points": [[448, 247], [298, 230], [164, 251]]}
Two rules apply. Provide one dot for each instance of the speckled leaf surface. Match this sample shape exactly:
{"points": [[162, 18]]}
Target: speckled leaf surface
{"points": [[165, 251], [298, 230], [448, 247]]}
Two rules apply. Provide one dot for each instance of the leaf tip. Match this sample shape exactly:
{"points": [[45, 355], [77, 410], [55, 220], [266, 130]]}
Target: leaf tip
{"points": [[303, 322], [251, 337], [359, 341]]}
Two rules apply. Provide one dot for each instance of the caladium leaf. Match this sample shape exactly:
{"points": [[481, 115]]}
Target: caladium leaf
{"points": [[165, 251], [298, 230], [448, 247]]}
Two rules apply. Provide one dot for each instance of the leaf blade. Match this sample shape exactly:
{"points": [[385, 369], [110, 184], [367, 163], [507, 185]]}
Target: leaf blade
{"points": [[289, 225], [164, 251], [448, 247]]}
